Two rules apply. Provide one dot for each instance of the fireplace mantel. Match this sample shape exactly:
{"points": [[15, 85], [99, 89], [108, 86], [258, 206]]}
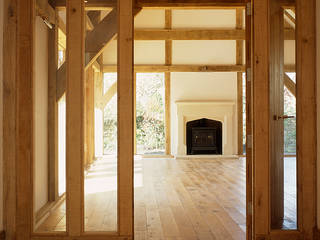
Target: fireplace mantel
{"points": [[223, 111]]}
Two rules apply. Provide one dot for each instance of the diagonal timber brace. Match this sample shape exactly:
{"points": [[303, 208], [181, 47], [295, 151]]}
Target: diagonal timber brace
{"points": [[96, 41]]}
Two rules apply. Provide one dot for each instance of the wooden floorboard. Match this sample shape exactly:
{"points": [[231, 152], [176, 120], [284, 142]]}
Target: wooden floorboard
{"points": [[197, 199]]}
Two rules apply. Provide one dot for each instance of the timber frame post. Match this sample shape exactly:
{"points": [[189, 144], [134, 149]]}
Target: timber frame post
{"points": [[125, 118], [167, 84], [18, 117], [239, 61], [75, 128]]}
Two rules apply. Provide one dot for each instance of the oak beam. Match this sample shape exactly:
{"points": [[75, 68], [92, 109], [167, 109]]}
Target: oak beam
{"points": [[180, 68], [239, 61], [45, 11], [168, 61], [198, 34], [306, 116], [89, 24], [189, 34], [260, 114], [91, 4], [105, 99], [190, 3], [75, 115], [125, 117]]}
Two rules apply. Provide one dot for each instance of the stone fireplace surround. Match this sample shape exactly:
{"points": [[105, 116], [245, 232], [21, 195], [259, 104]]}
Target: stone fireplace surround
{"points": [[223, 111]]}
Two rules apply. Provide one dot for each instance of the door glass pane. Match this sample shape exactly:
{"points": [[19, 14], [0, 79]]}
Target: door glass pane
{"points": [[50, 125], [100, 159], [283, 117]]}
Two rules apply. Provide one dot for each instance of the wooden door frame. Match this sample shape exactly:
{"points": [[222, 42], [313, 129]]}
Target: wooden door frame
{"points": [[306, 115]]}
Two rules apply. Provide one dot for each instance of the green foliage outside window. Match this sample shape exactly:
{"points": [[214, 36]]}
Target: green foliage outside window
{"points": [[149, 114]]}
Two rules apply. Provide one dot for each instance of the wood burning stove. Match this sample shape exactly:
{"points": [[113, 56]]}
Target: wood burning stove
{"points": [[204, 136]]}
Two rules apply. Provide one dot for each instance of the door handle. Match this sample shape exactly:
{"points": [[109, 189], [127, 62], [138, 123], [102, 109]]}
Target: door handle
{"points": [[276, 117]]}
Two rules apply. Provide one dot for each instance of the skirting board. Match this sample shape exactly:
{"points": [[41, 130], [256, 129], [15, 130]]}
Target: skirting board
{"points": [[188, 157]]}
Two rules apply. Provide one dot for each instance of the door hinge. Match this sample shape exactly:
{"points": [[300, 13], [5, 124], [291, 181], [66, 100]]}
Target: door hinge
{"points": [[248, 72], [249, 9], [249, 141], [250, 210]]}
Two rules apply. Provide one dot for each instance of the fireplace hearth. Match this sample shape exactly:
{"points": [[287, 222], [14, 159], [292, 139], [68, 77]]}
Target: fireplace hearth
{"points": [[204, 136]]}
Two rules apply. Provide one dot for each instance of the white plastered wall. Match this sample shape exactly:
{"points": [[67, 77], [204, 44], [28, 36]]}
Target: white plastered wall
{"points": [[41, 114], [1, 114]]}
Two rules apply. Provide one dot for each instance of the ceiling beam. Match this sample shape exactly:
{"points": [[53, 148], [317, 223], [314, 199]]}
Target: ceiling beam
{"points": [[190, 3], [189, 34], [188, 68], [173, 4], [91, 4], [180, 68]]}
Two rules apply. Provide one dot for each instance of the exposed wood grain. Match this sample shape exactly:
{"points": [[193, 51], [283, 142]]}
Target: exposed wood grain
{"points": [[249, 159], [180, 68], [189, 34], [239, 61], [198, 34], [24, 118], [105, 99], [75, 115], [260, 106], [306, 115], [45, 11], [10, 116], [125, 117], [167, 84]]}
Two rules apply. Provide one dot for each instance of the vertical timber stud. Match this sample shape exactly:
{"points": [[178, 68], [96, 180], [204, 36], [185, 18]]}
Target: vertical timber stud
{"points": [[9, 118], [239, 61], [75, 111], [53, 113], [249, 165], [261, 118], [168, 56], [306, 115], [24, 120], [125, 118]]}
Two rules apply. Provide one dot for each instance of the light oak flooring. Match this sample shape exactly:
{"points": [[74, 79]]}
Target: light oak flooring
{"points": [[174, 199]]}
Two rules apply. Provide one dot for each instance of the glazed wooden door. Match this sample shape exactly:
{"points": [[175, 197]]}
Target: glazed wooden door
{"points": [[270, 71]]}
